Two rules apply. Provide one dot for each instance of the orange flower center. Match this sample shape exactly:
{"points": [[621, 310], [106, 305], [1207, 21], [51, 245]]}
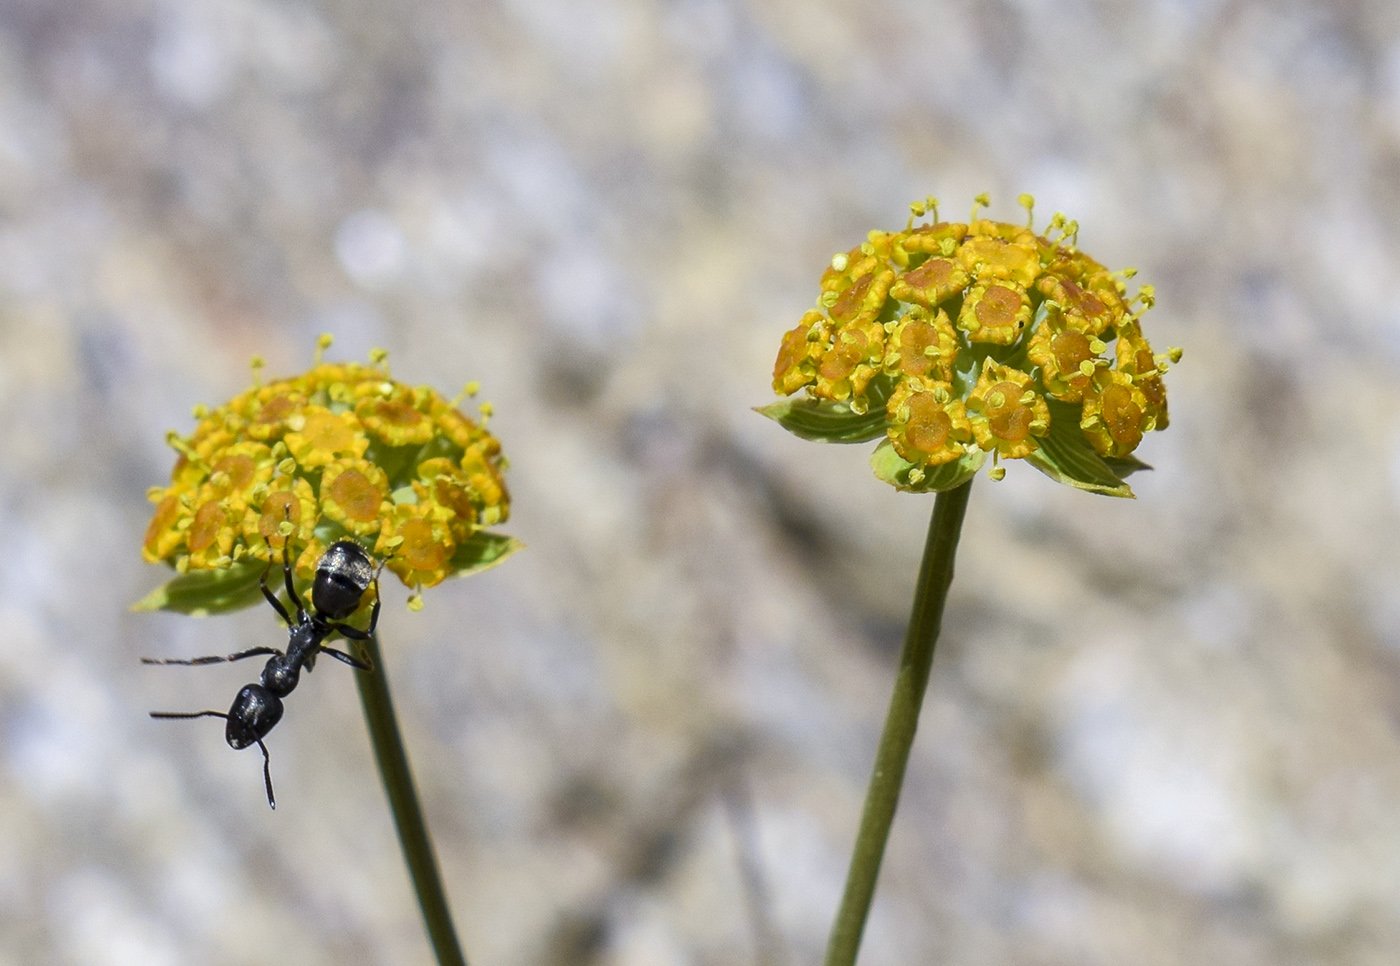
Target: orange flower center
{"points": [[916, 337], [842, 360], [239, 467], [791, 352], [1070, 349], [998, 307], [396, 413], [162, 520], [419, 549], [929, 425], [846, 306], [1086, 302], [328, 432], [275, 410], [1121, 415], [454, 498], [205, 528], [357, 495], [280, 507], [931, 274], [1007, 418]]}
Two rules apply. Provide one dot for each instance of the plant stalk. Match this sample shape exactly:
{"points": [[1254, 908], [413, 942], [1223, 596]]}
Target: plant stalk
{"points": [[417, 845], [902, 720]]}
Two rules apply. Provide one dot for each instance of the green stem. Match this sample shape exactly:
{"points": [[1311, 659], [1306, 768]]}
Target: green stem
{"points": [[935, 575], [408, 813]]}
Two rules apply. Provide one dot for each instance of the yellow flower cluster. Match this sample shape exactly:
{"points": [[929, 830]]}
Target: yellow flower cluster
{"points": [[964, 332], [339, 452]]}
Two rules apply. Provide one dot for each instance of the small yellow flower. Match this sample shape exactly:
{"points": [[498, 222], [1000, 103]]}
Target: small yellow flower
{"points": [[267, 410], [210, 535], [1136, 359], [306, 562], [162, 537], [1093, 310], [1006, 412], [922, 344], [997, 251], [1115, 414], [856, 357], [799, 356], [417, 545], [239, 469], [934, 282], [928, 427], [395, 418], [340, 451], [1067, 357], [353, 493], [995, 312], [287, 504], [319, 436]]}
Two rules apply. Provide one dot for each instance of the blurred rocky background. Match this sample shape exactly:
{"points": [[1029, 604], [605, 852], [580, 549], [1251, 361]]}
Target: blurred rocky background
{"points": [[1159, 732]]}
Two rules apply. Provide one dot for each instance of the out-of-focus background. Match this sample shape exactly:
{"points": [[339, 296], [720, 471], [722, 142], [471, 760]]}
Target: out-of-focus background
{"points": [[1162, 731]]}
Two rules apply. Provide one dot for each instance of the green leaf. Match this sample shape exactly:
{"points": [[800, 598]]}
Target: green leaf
{"points": [[832, 422], [206, 592], [481, 551], [896, 470], [1066, 455], [826, 421], [1125, 466]]}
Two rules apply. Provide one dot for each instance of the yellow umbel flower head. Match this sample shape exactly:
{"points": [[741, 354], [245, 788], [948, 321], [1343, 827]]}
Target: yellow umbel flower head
{"points": [[341, 451], [958, 341]]}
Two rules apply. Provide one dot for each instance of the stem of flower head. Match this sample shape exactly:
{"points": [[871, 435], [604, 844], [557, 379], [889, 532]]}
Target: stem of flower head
{"points": [[882, 795], [417, 845]]}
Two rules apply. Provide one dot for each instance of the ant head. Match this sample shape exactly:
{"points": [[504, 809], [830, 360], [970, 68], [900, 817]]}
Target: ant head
{"points": [[342, 577], [254, 712]]}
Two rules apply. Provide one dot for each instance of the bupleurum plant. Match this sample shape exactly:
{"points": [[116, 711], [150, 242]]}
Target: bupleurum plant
{"points": [[288, 468], [952, 343], [341, 451], [956, 342]]}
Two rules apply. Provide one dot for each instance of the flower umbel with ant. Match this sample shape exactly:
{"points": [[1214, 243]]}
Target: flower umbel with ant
{"points": [[956, 342], [308, 481], [953, 342], [341, 451]]}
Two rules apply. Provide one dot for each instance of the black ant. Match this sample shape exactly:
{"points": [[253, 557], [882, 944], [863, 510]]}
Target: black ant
{"points": [[343, 574]]}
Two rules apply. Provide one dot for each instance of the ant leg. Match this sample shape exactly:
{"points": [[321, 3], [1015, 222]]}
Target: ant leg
{"points": [[374, 611], [291, 590], [211, 659], [272, 598], [267, 760], [354, 633], [344, 658], [267, 775]]}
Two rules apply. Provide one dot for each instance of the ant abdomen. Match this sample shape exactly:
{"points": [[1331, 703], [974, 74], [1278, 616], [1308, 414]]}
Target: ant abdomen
{"points": [[254, 712], [343, 574]]}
